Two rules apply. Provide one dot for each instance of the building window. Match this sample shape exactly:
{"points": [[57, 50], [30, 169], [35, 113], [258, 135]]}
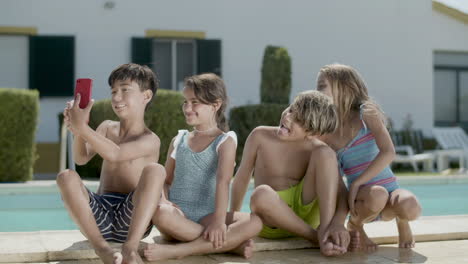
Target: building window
{"points": [[173, 61], [52, 65], [451, 89]]}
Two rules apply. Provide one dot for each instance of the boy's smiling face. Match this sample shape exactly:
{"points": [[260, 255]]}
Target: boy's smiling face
{"points": [[289, 129], [127, 98]]}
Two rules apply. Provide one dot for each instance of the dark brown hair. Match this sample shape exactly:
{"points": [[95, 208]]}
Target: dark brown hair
{"points": [[209, 88], [142, 75]]}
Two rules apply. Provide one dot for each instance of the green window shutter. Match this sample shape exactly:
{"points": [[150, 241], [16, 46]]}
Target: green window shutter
{"points": [[52, 65], [142, 51], [209, 56]]}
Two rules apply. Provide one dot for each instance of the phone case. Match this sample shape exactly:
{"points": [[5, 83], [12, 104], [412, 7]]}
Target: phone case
{"points": [[84, 88]]}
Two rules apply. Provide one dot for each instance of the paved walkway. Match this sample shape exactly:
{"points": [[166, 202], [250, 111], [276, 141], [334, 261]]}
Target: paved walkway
{"points": [[450, 232]]}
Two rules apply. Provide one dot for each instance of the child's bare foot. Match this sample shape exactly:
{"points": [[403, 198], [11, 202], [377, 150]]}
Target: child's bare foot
{"points": [[109, 256], [245, 249], [130, 256], [355, 241], [154, 252], [329, 249], [405, 238], [364, 242]]}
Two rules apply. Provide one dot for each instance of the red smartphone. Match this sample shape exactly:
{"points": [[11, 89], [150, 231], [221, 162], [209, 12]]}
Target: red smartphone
{"points": [[84, 87]]}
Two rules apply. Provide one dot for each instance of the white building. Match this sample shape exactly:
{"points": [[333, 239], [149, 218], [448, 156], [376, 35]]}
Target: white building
{"points": [[412, 54]]}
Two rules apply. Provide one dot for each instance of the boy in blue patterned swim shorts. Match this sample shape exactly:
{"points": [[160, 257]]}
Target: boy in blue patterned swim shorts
{"points": [[131, 181]]}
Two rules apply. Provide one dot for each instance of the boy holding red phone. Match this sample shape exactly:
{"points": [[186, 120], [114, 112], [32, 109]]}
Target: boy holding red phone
{"points": [[131, 181]]}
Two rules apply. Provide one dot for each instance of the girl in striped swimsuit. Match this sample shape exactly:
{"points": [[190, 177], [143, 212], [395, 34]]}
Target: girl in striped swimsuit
{"points": [[365, 151]]}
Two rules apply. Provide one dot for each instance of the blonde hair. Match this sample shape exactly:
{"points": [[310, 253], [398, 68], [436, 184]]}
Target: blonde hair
{"points": [[349, 92], [209, 88], [315, 112]]}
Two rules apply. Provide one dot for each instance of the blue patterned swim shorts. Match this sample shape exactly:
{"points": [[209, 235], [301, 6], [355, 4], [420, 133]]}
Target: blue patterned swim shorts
{"points": [[113, 212]]}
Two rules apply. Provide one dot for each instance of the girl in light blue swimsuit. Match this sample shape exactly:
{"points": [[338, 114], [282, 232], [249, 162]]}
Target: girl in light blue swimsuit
{"points": [[365, 152], [199, 168]]}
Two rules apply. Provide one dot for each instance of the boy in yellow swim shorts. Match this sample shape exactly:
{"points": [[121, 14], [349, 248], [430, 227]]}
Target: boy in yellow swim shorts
{"points": [[298, 190]]}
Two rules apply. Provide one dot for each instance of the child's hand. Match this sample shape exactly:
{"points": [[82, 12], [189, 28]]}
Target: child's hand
{"points": [[338, 235], [331, 240], [352, 194], [79, 117], [216, 233]]}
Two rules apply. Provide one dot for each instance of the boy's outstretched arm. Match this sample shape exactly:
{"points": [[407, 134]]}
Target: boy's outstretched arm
{"points": [[143, 146], [82, 152], [244, 173]]}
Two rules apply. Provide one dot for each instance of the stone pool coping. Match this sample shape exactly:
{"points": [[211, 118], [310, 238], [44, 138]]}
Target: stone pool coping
{"points": [[46, 246]]}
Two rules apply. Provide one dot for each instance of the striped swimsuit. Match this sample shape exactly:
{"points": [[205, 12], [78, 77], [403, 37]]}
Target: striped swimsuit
{"points": [[358, 155]]}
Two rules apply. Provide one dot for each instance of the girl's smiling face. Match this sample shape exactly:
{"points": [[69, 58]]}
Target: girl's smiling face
{"points": [[195, 112]]}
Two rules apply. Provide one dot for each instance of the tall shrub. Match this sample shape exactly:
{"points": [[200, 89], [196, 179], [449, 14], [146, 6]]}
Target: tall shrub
{"points": [[19, 109], [276, 76]]}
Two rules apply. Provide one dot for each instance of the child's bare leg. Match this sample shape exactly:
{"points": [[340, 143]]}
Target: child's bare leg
{"points": [[322, 183], [77, 204], [370, 201], [245, 249], [274, 212], [145, 199], [404, 206], [171, 222], [238, 232]]}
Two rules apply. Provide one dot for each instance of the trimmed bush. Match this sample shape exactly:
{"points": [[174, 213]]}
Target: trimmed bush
{"points": [[276, 76], [19, 109], [164, 117], [244, 119]]}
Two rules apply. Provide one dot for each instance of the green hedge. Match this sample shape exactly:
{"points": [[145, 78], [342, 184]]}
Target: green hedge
{"points": [[19, 109], [244, 119], [164, 117], [276, 76]]}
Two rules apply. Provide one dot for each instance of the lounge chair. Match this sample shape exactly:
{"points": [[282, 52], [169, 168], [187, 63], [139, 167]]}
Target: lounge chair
{"points": [[409, 149], [452, 143]]}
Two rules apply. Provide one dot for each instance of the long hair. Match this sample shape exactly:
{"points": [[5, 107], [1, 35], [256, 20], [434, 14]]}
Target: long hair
{"points": [[349, 92], [209, 88]]}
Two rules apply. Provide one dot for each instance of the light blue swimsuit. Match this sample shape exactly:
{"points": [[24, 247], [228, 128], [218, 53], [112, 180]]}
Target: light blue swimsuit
{"points": [[193, 188]]}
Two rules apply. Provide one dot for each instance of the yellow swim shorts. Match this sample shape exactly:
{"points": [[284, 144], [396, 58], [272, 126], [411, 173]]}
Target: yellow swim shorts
{"points": [[310, 213]]}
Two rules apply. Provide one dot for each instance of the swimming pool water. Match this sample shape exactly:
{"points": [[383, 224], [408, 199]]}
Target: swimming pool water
{"points": [[41, 208]]}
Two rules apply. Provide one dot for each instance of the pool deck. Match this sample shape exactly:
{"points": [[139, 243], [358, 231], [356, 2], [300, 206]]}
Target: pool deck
{"points": [[439, 239]]}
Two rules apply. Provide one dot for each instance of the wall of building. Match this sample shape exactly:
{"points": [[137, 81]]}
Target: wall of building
{"points": [[389, 42], [448, 34]]}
